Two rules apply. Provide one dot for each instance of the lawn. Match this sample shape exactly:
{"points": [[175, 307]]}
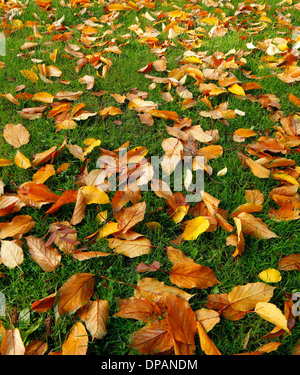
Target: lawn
{"points": [[93, 93]]}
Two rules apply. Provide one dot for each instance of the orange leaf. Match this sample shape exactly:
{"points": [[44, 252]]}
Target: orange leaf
{"points": [[77, 290], [207, 345], [22, 161], [77, 342], [131, 216], [138, 308], [192, 275], [46, 257], [68, 196], [19, 225], [95, 316]]}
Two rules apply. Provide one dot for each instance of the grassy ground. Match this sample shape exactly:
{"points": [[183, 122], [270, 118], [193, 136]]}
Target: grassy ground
{"points": [[209, 249]]}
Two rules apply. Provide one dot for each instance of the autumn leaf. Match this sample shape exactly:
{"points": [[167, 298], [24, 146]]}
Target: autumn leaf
{"points": [[95, 316], [12, 343], [270, 275], [36, 347], [236, 89], [19, 225], [75, 292], [255, 227], [151, 288], [32, 76], [272, 313], [194, 228], [69, 196], [46, 257], [130, 248], [192, 275], [208, 318], [43, 174], [22, 161], [206, 343], [93, 194], [245, 297], [43, 97], [138, 308], [16, 135], [44, 304], [131, 216], [11, 254], [290, 262], [152, 338], [77, 341]]}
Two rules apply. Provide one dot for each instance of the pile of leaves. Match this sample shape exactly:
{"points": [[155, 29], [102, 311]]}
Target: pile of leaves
{"points": [[169, 324]]}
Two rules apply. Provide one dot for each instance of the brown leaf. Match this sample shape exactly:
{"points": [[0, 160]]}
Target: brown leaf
{"points": [[131, 216], [152, 338], [208, 318], [79, 210], [12, 343], [95, 316], [151, 288], [245, 297], [46, 257], [255, 227], [44, 304], [36, 347], [138, 308], [181, 320], [290, 262], [75, 292]]}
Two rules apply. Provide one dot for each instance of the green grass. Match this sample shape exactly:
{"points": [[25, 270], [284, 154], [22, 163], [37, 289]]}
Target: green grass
{"points": [[210, 248]]}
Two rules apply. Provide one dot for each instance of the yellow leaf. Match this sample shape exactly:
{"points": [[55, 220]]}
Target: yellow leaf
{"points": [[271, 313], [180, 213], [285, 177], [270, 275], [194, 228], [236, 89], [43, 97], [210, 20], [94, 195], [22, 161], [30, 75]]}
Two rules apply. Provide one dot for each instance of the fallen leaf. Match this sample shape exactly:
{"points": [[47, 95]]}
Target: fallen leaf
{"points": [[272, 313], [16, 135], [74, 293], [270, 275], [77, 341], [194, 228]]}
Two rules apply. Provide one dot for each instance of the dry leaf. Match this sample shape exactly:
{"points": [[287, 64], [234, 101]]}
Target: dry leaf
{"points": [[46, 257], [16, 135], [271, 313], [77, 341], [194, 228], [192, 275], [12, 343], [95, 316], [11, 254], [75, 292]]}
